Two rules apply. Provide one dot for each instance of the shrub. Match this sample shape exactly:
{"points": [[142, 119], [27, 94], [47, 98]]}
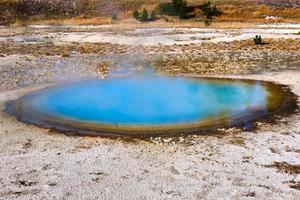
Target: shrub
{"points": [[258, 40], [65, 54], [180, 7], [174, 8], [209, 12], [7, 18], [144, 16], [207, 22], [114, 17], [166, 9], [136, 14], [153, 16]]}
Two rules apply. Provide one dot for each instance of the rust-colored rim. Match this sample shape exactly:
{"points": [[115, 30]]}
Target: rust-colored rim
{"points": [[281, 101]]}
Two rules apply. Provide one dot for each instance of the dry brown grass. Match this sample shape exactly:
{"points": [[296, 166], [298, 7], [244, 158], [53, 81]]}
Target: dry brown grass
{"points": [[285, 167], [243, 11], [62, 50], [258, 13], [238, 141], [295, 184], [238, 57], [234, 11], [103, 68], [66, 21]]}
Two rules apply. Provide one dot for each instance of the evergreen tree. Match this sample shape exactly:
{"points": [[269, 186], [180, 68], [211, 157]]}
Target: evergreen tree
{"points": [[153, 15], [114, 17], [180, 7], [144, 16], [209, 12], [136, 14]]}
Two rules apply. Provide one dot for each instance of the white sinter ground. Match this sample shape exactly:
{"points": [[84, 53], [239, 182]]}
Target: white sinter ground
{"points": [[156, 36], [37, 163]]}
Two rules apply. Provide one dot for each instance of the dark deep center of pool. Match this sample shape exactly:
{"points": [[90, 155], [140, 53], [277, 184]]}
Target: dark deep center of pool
{"points": [[150, 101]]}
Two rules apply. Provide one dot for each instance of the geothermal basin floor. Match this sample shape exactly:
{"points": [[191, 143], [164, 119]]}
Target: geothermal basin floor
{"points": [[42, 164]]}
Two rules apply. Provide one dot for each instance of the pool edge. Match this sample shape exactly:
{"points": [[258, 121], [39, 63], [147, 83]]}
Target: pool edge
{"points": [[288, 107]]}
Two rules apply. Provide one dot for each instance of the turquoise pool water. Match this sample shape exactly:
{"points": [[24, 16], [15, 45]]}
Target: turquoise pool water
{"points": [[148, 101]]}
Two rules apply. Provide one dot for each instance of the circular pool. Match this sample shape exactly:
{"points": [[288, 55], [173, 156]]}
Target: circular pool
{"points": [[148, 106]]}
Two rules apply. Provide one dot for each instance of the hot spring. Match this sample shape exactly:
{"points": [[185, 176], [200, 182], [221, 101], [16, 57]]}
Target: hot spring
{"points": [[148, 106]]}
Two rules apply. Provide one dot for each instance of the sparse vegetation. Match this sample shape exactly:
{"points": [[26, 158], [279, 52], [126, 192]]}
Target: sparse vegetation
{"points": [[180, 7], [258, 40], [25, 10], [238, 141], [209, 11], [153, 16], [114, 17], [144, 16], [65, 54], [295, 185], [136, 14], [51, 49], [174, 8], [84, 11], [285, 167], [214, 63]]}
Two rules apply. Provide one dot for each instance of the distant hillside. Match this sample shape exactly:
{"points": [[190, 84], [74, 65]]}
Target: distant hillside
{"points": [[280, 3], [19, 11], [11, 10]]}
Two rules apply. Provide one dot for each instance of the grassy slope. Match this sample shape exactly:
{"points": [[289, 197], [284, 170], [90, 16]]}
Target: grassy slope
{"points": [[89, 11]]}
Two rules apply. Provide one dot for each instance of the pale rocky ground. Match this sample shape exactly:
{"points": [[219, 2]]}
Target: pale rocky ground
{"points": [[38, 163], [150, 36]]}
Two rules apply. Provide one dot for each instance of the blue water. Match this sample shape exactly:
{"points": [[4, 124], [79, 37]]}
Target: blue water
{"points": [[149, 101]]}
